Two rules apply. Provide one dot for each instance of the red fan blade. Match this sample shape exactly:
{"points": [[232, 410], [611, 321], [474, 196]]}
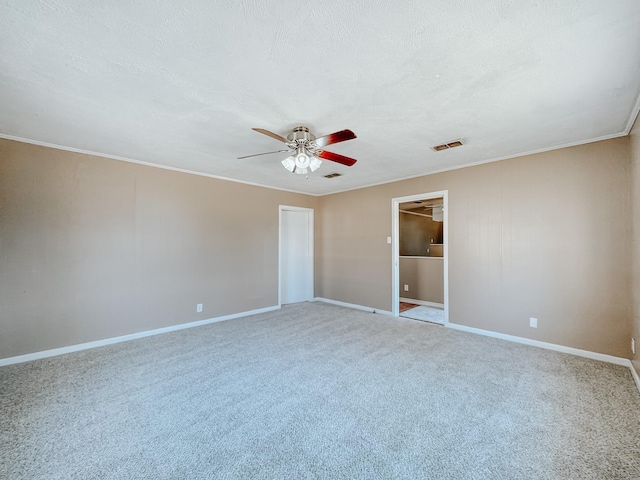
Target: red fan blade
{"points": [[270, 134], [335, 157], [336, 137]]}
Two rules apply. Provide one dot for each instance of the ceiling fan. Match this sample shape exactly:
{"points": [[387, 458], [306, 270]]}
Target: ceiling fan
{"points": [[306, 150]]}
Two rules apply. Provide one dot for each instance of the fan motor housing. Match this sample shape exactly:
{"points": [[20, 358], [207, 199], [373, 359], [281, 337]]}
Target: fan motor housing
{"points": [[301, 135]]}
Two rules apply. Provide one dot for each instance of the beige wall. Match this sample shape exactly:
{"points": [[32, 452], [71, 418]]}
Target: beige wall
{"points": [[424, 276], [417, 234], [546, 235], [635, 192], [92, 248]]}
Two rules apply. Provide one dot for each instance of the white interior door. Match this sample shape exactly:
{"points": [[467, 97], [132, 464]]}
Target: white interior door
{"points": [[296, 255]]}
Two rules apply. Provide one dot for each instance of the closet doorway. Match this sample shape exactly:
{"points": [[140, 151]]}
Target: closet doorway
{"points": [[420, 257]]}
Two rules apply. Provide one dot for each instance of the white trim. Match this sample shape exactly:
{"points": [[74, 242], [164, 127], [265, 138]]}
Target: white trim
{"points": [[424, 256], [125, 338], [311, 231], [624, 133], [353, 305], [625, 362], [634, 374], [549, 346], [496, 159], [416, 213], [632, 120], [148, 164], [395, 247], [422, 302]]}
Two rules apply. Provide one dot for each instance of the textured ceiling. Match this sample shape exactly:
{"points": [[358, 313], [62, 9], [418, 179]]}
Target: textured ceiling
{"points": [[181, 84]]}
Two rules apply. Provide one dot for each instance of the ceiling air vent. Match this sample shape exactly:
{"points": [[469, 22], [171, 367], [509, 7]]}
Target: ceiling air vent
{"points": [[446, 146], [333, 175]]}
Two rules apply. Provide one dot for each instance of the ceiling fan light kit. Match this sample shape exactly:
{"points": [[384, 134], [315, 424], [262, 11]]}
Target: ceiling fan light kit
{"points": [[301, 162], [306, 150]]}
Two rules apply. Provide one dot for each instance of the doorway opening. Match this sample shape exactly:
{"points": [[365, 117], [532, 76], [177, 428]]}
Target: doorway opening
{"points": [[420, 257], [295, 265]]}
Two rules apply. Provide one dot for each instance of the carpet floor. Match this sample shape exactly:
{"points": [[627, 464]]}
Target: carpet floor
{"points": [[318, 391]]}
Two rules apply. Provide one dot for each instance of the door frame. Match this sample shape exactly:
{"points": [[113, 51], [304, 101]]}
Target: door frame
{"points": [[395, 246], [309, 211]]}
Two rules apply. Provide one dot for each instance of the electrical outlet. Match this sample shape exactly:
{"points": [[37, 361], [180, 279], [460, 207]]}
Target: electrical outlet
{"points": [[199, 308], [633, 345], [533, 322], [406, 288]]}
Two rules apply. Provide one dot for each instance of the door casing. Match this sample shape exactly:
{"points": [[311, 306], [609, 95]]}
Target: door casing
{"points": [[395, 246]]}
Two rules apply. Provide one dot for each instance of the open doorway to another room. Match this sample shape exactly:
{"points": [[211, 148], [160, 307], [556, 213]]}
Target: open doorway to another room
{"points": [[420, 262]]}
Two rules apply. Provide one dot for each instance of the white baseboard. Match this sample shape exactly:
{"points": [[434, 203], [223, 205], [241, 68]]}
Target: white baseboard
{"points": [[424, 303], [625, 362], [488, 333], [353, 305], [634, 374], [124, 338], [549, 346]]}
